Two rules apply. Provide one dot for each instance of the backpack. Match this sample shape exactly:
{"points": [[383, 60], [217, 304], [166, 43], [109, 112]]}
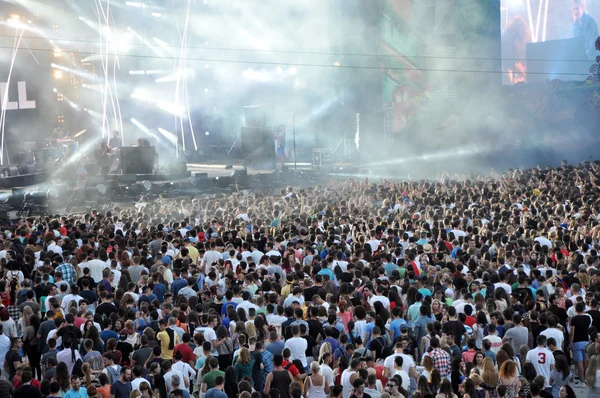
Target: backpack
{"points": [[113, 374], [490, 291]]}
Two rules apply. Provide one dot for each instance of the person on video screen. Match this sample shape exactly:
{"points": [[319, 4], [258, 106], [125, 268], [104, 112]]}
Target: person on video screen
{"points": [[584, 25]]}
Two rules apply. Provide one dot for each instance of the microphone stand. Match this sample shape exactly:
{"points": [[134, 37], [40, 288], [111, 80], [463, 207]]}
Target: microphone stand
{"points": [[294, 138]]}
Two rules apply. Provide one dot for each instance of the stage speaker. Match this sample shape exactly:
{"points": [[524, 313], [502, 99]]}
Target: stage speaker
{"points": [[138, 160], [258, 148], [26, 157], [255, 116]]}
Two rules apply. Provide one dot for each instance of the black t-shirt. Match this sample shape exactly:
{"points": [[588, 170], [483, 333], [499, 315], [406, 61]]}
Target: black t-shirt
{"points": [[536, 329], [126, 350], [92, 284], [310, 292], [595, 314], [310, 344], [70, 332], [561, 313], [105, 309], [315, 328], [90, 296], [456, 328], [558, 353], [28, 391], [12, 357], [377, 345], [580, 325]]}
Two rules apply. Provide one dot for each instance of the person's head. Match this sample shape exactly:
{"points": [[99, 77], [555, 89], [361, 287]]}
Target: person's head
{"points": [[566, 391], [508, 369], [126, 374], [578, 9], [337, 391], [534, 390], [75, 383]]}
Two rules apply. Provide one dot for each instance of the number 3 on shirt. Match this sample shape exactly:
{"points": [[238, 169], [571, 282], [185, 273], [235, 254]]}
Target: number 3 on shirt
{"points": [[541, 358]]}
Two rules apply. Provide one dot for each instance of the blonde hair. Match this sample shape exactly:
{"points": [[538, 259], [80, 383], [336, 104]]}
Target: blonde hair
{"points": [[590, 374], [325, 348], [314, 367], [489, 374], [244, 356], [474, 376], [427, 363], [251, 330], [508, 369], [27, 313]]}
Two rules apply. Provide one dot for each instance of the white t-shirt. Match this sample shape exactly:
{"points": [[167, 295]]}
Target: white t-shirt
{"points": [[384, 300], [67, 300], [407, 363], [556, 334], [405, 378], [297, 346], [389, 363], [327, 374], [374, 244], [504, 286], [543, 241], [168, 376], [360, 328], [96, 267], [542, 360]]}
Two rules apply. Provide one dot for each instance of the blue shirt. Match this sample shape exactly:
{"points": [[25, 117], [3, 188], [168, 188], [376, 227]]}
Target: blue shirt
{"points": [[177, 285], [395, 326], [327, 271], [389, 268], [105, 335], [369, 330], [81, 393], [333, 343], [214, 393], [159, 291], [227, 304], [275, 348]]}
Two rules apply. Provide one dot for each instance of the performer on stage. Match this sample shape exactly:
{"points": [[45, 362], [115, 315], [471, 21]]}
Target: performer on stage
{"points": [[279, 134], [584, 26], [115, 140], [114, 146], [102, 158]]}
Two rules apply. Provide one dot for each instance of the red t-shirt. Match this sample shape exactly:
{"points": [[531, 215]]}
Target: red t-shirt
{"points": [[186, 351], [292, 368], [470, 321], [78, 322]]}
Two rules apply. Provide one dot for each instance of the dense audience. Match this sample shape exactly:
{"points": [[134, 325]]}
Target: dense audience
{"points": [[478, 288]]}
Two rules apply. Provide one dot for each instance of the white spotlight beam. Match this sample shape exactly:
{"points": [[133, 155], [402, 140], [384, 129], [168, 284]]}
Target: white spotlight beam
{"points": [[172, 138], [173, 109], [80, 73], [140, 125]]}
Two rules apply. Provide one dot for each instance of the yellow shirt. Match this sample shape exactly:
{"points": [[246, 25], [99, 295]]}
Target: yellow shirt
{"points": [[164, 339], [285, 291], [194, 254]]}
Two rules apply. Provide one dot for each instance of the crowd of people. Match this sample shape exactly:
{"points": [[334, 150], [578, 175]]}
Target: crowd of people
{"points": [[478, 288]]}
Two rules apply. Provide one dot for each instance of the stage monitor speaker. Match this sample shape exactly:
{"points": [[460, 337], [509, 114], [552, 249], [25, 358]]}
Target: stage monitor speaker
{"points": [[138, 160], [255, 116], [10, 171], [26, 169]]}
